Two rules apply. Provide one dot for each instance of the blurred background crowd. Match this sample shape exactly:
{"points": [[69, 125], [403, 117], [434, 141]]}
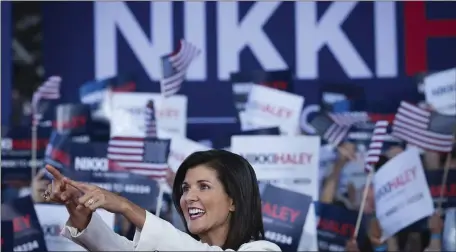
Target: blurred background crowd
{"points": [[76, 75]]}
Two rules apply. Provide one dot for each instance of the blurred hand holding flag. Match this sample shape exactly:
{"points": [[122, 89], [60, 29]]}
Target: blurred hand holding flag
{"points": [[329, 130], [49, 90], [334, 127], [376, 144], [175, 67], [422, 128]]}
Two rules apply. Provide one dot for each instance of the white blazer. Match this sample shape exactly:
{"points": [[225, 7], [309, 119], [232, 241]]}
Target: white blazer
{"points": [[157, 234]]}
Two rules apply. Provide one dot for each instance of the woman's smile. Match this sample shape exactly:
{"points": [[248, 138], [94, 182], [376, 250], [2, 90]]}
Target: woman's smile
{"points": [[195, 213]]}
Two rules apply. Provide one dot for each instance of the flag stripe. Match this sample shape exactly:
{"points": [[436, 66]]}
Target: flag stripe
{"points": [[129, 152], [412, 124], [349, 118], [49, 90], [180, 61], [376, 144], [151, 124]]}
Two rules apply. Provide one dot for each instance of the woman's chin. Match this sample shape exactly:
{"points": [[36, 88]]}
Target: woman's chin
{"points": [[195, 229]]}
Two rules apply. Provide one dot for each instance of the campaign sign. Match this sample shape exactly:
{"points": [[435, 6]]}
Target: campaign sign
{"points": [[96, 94], [284, 215], [434, 179], [53, 218], [73, 119], [281, 157], [129, 110], [336, 226], [139, 189], [243, 81], [89, 164], [89, 157], [440, 91], [402, 194], [7, 236], [248, 121], [16, 152], [276, 106], [28, 235]]}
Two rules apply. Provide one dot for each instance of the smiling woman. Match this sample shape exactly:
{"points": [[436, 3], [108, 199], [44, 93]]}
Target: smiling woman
{"points": [[216, 193], [219, 199]]}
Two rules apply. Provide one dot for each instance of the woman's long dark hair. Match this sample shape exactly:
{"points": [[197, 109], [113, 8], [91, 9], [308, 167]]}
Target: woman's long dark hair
{"points": [[240, 183]]}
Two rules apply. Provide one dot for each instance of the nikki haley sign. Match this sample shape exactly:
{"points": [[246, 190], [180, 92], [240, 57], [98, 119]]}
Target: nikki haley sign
{"points": [[379, 46]]}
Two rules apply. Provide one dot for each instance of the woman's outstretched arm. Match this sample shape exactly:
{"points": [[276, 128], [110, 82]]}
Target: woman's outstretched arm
{"points": [[97, 236], [152, 233]]}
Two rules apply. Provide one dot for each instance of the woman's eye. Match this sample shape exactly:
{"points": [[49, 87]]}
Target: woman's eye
{"points": [[204, 187], [184, 188]]}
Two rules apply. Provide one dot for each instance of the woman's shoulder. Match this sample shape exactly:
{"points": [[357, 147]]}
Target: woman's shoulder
{"points": [[260, 245]]}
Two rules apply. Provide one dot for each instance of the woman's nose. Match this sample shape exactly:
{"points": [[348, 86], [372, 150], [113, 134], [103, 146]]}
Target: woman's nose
{"points": [[191, 195]]}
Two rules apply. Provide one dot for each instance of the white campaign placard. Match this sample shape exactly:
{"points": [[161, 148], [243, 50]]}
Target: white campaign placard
{"points": [[53, 218], [282, 157], [402, 194], [128, 113], [440, 91], [276, 107], [289, 162], [180, 148], [253, 122]]}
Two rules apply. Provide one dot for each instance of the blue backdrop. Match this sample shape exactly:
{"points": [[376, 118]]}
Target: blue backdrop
{"points": [[6, 61], [356, 43]]}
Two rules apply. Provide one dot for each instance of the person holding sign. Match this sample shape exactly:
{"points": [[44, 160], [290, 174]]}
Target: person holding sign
{"points": [[216, 193]]}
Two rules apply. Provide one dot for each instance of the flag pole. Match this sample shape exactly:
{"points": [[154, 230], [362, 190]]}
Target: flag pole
{"points": [[33, 164], [159, 199], [363, 203], [446, 168]]}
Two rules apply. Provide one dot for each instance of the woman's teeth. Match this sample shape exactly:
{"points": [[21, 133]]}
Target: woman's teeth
{"points": [[195, 212]]}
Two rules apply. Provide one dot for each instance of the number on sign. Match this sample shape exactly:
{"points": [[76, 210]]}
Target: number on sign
{"points": [[29, 246], [278, 237]]}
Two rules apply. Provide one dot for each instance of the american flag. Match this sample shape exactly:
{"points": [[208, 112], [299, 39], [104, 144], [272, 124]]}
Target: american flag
{"points": [[424, 129], [49, 90], [329, 130], [151, 124], [376, 144], [175, 66], [144, 156], [349, 118]]}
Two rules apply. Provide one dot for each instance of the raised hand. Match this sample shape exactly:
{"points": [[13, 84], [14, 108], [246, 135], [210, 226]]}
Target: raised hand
{"points": [[435, 223], [375, 232], [347, 152], [352, 246], [60, 192], [95, 197]]}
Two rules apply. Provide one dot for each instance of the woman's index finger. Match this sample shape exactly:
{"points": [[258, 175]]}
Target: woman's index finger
{"points": [[54, 172], [78, 185]]}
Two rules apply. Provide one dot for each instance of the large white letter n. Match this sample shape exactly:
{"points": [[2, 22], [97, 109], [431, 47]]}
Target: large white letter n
{"points": [[112, 15]]}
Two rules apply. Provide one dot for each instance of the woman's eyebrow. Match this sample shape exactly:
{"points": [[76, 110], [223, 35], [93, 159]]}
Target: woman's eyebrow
{"points": [[203, 180]]}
